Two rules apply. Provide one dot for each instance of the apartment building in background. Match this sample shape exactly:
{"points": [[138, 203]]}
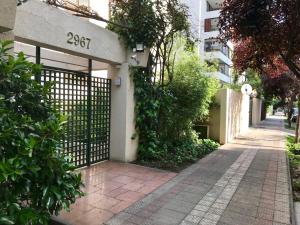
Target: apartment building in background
{"points": [[204, 18]]}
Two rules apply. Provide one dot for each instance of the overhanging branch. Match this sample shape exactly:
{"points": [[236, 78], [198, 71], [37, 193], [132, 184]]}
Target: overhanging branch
{"points": [[81, 11]]}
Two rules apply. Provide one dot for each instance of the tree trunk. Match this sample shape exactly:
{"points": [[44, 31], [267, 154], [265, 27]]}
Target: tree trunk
{"points": [[298, 121], [290, 113]]}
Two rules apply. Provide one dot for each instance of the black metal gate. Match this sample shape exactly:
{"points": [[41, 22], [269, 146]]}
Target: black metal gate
{"points": [[85, 100]]}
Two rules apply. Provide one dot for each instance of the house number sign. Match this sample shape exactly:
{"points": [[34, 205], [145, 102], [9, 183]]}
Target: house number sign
{"points": [[77, 40]]}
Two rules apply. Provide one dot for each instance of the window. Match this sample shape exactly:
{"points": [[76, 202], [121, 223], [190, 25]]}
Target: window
{"points": [[225, 50], [211, 24], [211, 45], [209, 7], [214, 45], [223, 68]]}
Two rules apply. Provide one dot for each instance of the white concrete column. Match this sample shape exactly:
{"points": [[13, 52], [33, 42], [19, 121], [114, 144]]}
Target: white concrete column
{"points": [[245, 113], [7, 15], [256, 111], [224, 115], [7, 20], [8, 35], [123, 145]]}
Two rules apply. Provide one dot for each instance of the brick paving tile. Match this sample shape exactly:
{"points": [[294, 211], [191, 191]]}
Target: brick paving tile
{"points": [[94, 217], [244, 183], [282, 217], [110, 188]]}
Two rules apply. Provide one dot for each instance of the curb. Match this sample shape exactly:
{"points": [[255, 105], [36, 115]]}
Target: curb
{"points": [[292, 209]]}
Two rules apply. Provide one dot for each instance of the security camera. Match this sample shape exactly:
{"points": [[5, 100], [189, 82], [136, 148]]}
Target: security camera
{"points": [[133, 57]]}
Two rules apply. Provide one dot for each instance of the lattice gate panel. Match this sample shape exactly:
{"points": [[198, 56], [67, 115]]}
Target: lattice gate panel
{"points": [[100, 132], [87, 107]]}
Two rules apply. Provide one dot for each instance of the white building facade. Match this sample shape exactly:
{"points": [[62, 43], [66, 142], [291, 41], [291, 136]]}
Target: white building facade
{"points": [[204, 18]]}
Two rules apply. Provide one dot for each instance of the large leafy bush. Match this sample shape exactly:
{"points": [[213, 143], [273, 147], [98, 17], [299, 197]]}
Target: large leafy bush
{"points": [[35, 180], [167, 136], [192, 92]]}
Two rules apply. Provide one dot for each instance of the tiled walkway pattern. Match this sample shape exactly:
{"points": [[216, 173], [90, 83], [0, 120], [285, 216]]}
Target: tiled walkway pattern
{"points": [[245, 183], [213, 204], [111, 187]]}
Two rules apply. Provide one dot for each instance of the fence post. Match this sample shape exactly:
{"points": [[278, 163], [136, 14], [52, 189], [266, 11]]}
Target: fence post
{"points": [[89, 112], [38, 61]]}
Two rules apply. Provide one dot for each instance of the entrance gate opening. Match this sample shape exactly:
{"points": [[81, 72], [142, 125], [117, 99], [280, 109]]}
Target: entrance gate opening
{"points": [[83, 96], [86, 102]]}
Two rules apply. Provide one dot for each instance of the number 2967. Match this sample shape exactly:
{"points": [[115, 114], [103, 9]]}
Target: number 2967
{"points": [[75, 39]]}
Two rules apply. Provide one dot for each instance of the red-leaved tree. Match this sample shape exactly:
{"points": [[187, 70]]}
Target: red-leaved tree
{"points": [[248, 55], [269, 31], [267, 38], [277, 80]]}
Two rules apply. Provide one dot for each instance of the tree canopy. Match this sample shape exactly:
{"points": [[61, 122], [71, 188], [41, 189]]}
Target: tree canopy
{"points": [[267, 33]]}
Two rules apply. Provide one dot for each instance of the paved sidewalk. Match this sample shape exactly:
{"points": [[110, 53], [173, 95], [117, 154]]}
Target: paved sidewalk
{"points": [[111, 187], [244, 183]]}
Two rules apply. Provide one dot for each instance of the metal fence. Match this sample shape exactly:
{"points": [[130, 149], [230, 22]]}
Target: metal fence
{"points": [[86, 101]]}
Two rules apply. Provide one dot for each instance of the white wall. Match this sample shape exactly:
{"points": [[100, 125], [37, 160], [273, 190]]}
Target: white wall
{"points": [[123, 147], [231, 117], [46, 26], [238, 114], [194, 16], [256, 111], [7, 15]]}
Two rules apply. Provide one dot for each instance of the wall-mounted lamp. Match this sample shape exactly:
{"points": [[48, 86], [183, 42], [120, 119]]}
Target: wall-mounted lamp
{"points": [[117, 81], [139, 48]]}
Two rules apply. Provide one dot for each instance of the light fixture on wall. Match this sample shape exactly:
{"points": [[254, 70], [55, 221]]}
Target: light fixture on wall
{"points": [[139, 47], [117, 81]]}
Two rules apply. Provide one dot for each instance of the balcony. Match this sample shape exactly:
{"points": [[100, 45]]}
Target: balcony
{"points": [[212, 5], [211, 14], [216, 50], [220, 76]]}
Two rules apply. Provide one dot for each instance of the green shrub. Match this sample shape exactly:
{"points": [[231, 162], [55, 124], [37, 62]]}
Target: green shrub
{"points": [[35, 180], [177, 155], [166, 116], [209, 146], [190, 95], [294, 148], [296, 185]]}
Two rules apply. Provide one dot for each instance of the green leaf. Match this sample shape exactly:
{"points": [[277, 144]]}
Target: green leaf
{"points": [[6, 220]]}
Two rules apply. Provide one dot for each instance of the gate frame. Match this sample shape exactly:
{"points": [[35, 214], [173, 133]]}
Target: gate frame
{"points": [[88, 153]]}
